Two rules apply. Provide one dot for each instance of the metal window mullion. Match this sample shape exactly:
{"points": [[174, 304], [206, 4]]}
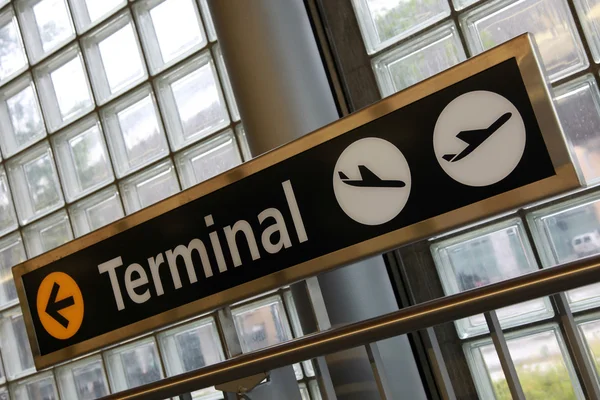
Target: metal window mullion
{"points": [[378, 371], [508, 367]]}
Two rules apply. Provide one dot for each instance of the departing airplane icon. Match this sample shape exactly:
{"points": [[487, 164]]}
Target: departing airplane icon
{"points": [[475, 138], [369, 179]]}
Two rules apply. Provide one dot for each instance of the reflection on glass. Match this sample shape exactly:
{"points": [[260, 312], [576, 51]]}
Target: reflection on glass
{"points": [[25, 118], [198, 102], [12, 253], [83, 380], [550, 21], [141, 134], [12, 53], [589, 15], [542, 364], [40, 387], [47, 234], [134, 365], [418, 59], [53, 23], [121, 58], [89, 158], [578, 106], [383, 22], [71, 88], [14, 344], [96, 211], [149, 187], [208, 159], [8, 217], [488, 256], [174, 42], [41, 182]]}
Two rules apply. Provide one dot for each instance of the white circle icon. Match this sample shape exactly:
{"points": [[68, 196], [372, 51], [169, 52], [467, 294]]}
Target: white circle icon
{"points": [[479, 138], [371, 181]]}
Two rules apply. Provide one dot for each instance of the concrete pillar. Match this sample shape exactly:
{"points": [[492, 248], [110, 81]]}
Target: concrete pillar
{"points": [[282, 93]]}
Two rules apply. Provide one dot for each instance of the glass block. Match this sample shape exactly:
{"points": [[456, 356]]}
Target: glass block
{"points": [[590, 332], [114, 57], [207, 159], [208, 22], [550, 21], [243, 142], [578, 106], [418, 59], [540, 358], [385, 22], [4, 393], [166, 45], [12, 253], [134, 131], [460, 4], [47, 26], [315, 392], [8, 217], [83, 380], [63, 88], [149, 187], [38, 387], [567, 232], [96, 211], [133, 365], [233, 109], [261, 324], [88, 13], [82, 158], [484, 256], [192, 101], [47, 234], [304, 394], [190, 346], [296, 326], [13, 60], [20, 117], [34, 182], [590, 22], [14, 344]]}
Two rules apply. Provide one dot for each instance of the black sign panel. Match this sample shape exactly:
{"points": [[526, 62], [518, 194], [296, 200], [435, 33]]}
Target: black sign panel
{"points": [[468, 142]]}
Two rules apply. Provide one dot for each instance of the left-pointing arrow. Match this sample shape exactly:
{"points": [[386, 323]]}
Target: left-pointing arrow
{"points": [[53, 307]]}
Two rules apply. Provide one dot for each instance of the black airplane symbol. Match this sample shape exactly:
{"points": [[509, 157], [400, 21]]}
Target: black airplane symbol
{"points": [[369, 179], [476, 137]]}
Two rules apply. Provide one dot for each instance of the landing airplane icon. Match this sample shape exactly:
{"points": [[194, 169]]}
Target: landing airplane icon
{"points": [[369, 179], [475, 138]]}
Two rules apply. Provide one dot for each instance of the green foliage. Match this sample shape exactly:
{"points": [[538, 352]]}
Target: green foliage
{"points": [[403, 16], [552, 383]]}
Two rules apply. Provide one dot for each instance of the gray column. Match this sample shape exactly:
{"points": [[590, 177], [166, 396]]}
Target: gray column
{"points": [[282, 93]]}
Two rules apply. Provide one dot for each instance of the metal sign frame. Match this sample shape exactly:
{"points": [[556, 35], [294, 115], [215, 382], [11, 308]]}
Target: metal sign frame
{"points": [[521, 48]]}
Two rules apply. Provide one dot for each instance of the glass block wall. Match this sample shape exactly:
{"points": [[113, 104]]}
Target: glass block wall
{"points": [[107, 107], [409, 41]]}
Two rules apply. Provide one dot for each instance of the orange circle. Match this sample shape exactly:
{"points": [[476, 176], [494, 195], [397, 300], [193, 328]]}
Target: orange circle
{"points": [[66, 311]]}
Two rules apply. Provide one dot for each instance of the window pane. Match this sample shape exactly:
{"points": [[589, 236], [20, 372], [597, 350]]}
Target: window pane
{"points": [[487, 256], [12, 53], [12, 253], [207, 159], [35, 185], [47, 234], [39, 387], [578, 106], [261, 324], [149, 187], [20, 116], [550, 21], [589, 15], [8, 217], [18, 360], [82, 159], [541, 360], [83, 380], [63, 88], [192, 101], [89, 12], [47, 25], [164, 43], [115, 58], [133, 365], [135, 133], [96, 211], [191, 346], [567, 232], [385, 22], [418, 59]]}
